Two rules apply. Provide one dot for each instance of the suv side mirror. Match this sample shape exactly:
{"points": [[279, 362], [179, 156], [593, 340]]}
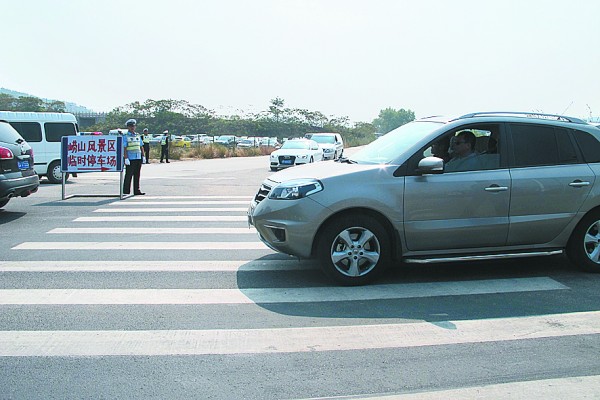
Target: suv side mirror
{"points": [[431, 165]]}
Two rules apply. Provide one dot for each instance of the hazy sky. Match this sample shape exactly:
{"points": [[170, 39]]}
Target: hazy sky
{"points": [[340, 57]]}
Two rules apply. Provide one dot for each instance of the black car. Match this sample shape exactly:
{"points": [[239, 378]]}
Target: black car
{"points": [[17, 176]]}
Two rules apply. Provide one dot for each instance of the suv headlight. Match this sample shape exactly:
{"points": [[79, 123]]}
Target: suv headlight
{"points": [[295, 189], [327, 150]]}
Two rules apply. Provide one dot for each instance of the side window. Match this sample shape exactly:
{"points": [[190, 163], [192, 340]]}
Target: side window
{"points": [[536, 145], [56, 130], [468, 148], [589, 145], [31, 131]]}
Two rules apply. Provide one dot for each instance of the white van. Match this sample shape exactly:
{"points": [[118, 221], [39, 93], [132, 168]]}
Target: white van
{"points": [[43, 131]]}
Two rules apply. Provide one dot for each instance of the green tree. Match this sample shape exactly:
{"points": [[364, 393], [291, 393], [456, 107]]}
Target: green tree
{"points": [[29, 103], [390, 119], [7, 102]]}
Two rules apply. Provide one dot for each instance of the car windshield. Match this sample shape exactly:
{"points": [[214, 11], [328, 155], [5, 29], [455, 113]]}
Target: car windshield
{"points": [[323, 138], [390, 146], [295, 144]]}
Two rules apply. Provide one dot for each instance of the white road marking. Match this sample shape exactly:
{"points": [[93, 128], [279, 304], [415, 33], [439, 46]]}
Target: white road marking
{"points": [[577, 387], [153, 230], [274, 295], [174, 209], [155, 266], [144, 198], [183, 202], [286, 340], [166, 218], [162, 246]]}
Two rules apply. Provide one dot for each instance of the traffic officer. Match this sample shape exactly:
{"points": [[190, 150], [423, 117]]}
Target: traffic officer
{"points": [[164, 146], [134, 157], [146, 140]]}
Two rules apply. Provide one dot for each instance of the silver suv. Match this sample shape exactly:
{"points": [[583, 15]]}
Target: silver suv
{"points": [[482, 186]]}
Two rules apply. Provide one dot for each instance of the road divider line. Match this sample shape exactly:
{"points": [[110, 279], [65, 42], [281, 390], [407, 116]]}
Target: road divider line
{"points": [[287, 340], [162, 246], [274, 295], [165, 218], [155, 266], [154, 230]]}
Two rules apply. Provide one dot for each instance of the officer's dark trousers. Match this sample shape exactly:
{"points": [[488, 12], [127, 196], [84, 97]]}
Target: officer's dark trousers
{"points": [[164, 153], [132, 170], [147, 152]]}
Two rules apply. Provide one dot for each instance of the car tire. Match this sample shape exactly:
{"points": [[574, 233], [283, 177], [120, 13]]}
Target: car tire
{"points": [[583, 248], [3, 202], [354, 250], [54, 173], [273, 169]]}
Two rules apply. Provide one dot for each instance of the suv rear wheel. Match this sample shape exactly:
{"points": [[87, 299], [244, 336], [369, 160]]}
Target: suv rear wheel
{"points": [[584, 246], [354, 250]]}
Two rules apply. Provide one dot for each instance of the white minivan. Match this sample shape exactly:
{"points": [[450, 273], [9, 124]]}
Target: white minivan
{"points": [[43, 131]]}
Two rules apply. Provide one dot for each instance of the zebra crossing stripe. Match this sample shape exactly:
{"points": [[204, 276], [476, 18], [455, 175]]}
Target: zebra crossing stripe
{"points": [[183, 202], [173, 209], [141, 246], [153, 230], [576, 387], [166, 218], [274, 295], [207, 197], [287, 340], [155, 266]]}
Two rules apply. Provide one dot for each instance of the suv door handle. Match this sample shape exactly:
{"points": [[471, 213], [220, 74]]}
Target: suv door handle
{"points": [[496, 188], [579, 183]]}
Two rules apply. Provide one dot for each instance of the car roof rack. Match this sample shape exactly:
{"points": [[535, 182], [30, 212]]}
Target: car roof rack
{"points": [[525, 115]]}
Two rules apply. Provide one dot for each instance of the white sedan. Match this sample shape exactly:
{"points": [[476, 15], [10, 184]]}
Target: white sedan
{"points": [[295, 152]]}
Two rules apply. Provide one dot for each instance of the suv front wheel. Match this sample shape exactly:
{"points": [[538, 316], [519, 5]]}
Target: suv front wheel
{"points": [[354, 250], [584, 246]]}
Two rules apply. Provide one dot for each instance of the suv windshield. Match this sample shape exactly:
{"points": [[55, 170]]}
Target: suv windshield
{"points": [[388, 147]]}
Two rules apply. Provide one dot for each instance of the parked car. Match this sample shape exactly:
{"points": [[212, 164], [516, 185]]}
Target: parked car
{"points": [[43, 132], [17, 175], [295, 152], [249, 142], [331, 144], [181, 141], [201, 139], [534, 191], [270, 142], [226, 140]]}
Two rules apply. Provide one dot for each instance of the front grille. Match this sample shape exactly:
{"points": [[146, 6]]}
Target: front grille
{"points": [[263, 192], [289, 160]]}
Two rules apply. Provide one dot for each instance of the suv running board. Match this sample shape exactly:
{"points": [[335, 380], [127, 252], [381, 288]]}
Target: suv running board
{"points": [[481, 257]]}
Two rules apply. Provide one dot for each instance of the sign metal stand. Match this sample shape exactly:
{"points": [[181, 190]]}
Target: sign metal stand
{"points": [[81, 154]]}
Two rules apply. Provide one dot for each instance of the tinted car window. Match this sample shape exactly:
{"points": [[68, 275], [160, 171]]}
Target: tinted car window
{"points": [[56, 130], [31, 131], [589, 145], [542, 145], [8, 135]]}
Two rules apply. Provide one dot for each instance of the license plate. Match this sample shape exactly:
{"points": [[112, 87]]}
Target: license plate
{"points": [[23, 164], [286, 161]]}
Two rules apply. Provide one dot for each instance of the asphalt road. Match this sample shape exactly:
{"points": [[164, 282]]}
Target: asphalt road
{"points": [[172, 295]]}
